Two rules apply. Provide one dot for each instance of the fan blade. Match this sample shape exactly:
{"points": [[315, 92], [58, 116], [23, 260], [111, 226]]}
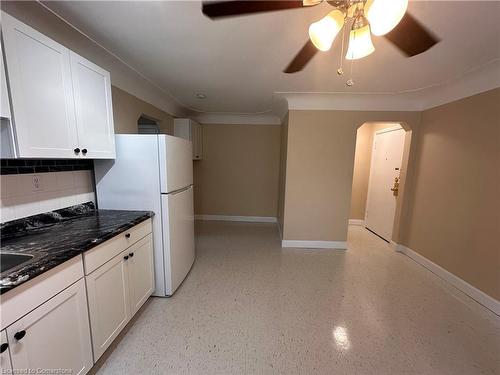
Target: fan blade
{"points": [[411, 37], [217, 9], [302, 58]]}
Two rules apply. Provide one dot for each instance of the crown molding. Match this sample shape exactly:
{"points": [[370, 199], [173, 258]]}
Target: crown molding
{"points": [[237, 118], [475, 81]]}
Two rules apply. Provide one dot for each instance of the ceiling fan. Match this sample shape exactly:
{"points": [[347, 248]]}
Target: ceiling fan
{"points": [[363, 18]]}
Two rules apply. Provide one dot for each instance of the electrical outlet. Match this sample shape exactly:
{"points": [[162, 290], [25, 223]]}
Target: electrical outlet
{"points": [[37, 183]]}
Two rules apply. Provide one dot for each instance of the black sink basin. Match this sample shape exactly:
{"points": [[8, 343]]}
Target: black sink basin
{"points": [[11, 260]]}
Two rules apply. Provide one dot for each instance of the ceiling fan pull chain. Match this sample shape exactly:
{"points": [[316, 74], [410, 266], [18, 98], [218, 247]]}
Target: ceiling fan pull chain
{"points": [[350, 81], [340, 70]]}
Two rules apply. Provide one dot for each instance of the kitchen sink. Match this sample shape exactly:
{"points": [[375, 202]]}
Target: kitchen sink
{"points": [[10, 261]]}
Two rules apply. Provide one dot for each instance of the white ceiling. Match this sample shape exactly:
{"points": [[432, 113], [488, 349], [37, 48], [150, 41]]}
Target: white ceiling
{"points": [[238, 62]]}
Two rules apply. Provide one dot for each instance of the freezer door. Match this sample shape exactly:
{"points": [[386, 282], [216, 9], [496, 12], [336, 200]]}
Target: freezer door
{"points": [[178, 236], [176, 163]]}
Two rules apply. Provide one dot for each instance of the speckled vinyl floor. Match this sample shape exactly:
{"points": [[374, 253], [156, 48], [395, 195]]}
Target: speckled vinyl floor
{"points": [[250, 307]]}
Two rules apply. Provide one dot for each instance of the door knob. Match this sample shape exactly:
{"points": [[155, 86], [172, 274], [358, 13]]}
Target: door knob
{"points": [[84, 151], [395, 188], [4, 347], [76, 150], [131, 255], [125, 257]]}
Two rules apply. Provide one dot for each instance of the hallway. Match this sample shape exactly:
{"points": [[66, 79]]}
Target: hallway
{"points": [[250, 307]]}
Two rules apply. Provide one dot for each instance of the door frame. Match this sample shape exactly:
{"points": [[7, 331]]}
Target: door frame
{"points": [[378, 132]]}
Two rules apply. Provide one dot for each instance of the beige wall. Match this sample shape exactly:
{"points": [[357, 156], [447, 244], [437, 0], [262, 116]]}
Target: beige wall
{"points": [[127, 109], [362, 163], [282, 172], [320, 162], [454, 216], [239, 171], [361, 172]]}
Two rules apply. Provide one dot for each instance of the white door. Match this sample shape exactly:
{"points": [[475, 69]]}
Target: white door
{"points": [[176, 163], [39, 76], [108, 293], [5, 365], [178, 232], [141, 272], [94, 110], [387, 155], [55, 335]]}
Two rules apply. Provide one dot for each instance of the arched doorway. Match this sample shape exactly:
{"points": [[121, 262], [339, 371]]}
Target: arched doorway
{"points": [[379, 178]]}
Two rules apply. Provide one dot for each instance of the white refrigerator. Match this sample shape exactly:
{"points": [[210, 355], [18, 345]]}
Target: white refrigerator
{"points": [[155, 173]]}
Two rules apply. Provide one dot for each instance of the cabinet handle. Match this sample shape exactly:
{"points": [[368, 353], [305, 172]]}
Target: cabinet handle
{"points": [[84, 151], [4, 347], [131, 254], [125, 257], [19, 335], [76, 150], [127, 235]]}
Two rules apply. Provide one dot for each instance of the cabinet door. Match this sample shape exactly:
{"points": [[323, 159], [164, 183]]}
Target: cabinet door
{"points": [[94, 110], [4, 94], [108, 293], [39, 76], [197, 139], [5, 365], [55, 335], [140, 270]]}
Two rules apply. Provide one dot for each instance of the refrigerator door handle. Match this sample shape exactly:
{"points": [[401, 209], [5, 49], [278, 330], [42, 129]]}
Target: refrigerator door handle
{"points": [[178, 191]]}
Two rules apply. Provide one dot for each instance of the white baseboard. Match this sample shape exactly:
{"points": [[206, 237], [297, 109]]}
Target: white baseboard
{"points": [[359, 222], [489, 302], [341, 245], [252, 219]]}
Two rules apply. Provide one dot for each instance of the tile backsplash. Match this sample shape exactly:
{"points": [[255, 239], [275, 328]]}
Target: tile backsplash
{"points": [[18, 166], [34, 189]]}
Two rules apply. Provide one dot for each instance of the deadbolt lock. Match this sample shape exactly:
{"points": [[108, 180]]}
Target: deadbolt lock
{"points": [[395, 188]]}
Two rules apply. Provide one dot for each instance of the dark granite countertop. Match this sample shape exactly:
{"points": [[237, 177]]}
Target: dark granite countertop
{"points": [[55, 237]]}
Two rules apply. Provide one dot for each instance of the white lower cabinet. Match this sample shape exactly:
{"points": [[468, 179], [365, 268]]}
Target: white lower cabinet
{"points": [[47, 319], [5, 365], [55, 335], [117, 289], [141, 272], [107, 289]]}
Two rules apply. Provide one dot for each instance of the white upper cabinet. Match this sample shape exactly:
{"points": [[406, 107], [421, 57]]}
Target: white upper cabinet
{"points": [[4, 94], [39, 76], [94, 111], [192, 131], [61, 103]]}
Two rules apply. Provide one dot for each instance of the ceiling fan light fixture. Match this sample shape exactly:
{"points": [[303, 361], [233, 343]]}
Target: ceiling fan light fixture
{"points": [[323, 32], [360, 43], [384, 15], [310, 3]]}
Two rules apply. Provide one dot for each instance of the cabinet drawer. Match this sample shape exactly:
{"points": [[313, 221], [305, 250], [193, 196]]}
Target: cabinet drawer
{"points": [[31, 294], [99, 255]]}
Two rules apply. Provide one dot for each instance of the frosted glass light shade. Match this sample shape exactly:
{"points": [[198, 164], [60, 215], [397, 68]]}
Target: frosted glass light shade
{"points": [[360, 43], [323, 32], [310, 3], [384, 15]]}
